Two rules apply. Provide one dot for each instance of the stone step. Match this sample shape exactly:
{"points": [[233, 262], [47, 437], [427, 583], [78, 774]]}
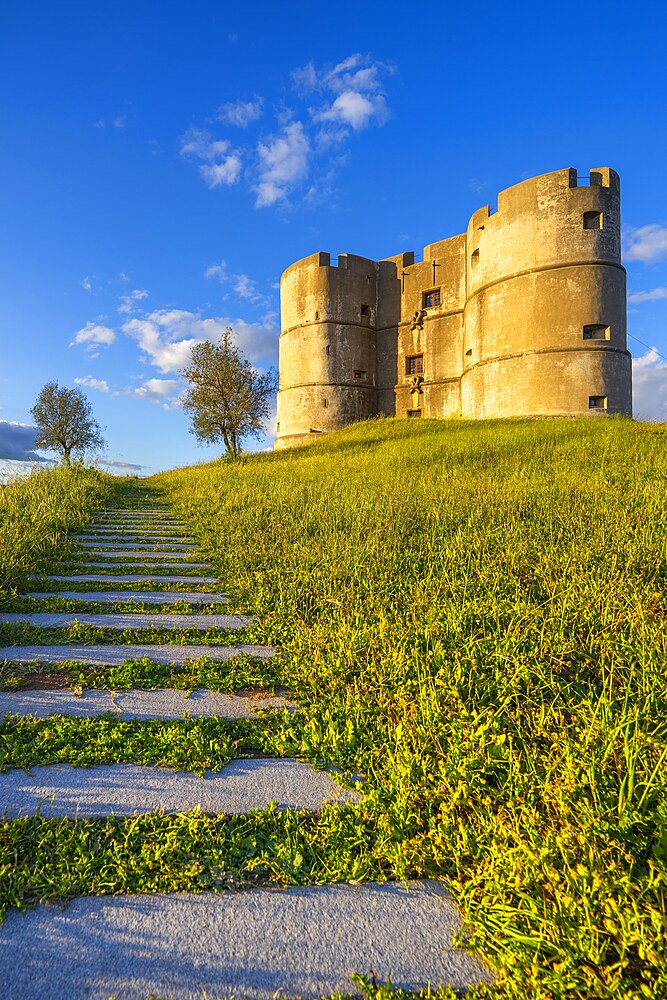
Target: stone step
{"points": [[130, 789], [138, 546], [159, 703], [145, 554], [53, 619], [127, 596], [298, 942], [101, 578], [183, 564], [132, 532], [122, 538], [115, 656]]}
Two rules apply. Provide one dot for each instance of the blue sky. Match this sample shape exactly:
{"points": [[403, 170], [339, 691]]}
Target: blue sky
{"points": [[163, 162]]}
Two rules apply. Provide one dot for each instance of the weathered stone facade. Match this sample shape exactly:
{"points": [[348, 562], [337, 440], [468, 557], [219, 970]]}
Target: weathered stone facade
{"points": [[522, 315]]}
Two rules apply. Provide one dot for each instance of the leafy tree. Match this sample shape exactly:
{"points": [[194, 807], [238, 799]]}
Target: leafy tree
{"points": [[227, 398], [65, 422]]}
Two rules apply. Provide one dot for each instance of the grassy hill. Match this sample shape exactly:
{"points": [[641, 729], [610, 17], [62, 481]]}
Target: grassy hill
{"points": [[474, 617]]}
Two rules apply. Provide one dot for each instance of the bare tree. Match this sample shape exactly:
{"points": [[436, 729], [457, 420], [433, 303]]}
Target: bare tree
{"points": [[65, 422], [228, 399]]}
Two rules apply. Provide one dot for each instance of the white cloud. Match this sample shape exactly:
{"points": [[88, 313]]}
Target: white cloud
{"points": [[241, 113], [155, 390], [93, 383], [17, 442], [217, 271], [166, 336], [645, 243], [128, 302], [651, 296], [118, 122], [93, 333], [283, 163], [354, 109], [87, 284], [649, 386], [219, 163]]}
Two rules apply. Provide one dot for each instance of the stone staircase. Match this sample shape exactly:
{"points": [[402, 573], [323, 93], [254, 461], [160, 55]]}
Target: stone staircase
{"points": [[299, 942]]}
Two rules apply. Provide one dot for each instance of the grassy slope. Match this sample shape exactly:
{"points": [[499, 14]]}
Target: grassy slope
{"points": [[473, 615]]}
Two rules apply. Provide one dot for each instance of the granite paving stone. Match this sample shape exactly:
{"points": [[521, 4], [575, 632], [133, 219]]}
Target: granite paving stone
{"points": [[297, 942], [158, 546], [48, 619], [128, 596], [129, 789], [110, 578], [147, 553], [112, 656], [159, 703], [183, 564]]}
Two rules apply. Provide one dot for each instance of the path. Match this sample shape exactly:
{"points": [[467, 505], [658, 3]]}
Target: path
{"points": [[302, 942]]}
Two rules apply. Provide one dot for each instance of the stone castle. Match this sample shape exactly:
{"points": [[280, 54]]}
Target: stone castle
{"points": [[524, 315]]}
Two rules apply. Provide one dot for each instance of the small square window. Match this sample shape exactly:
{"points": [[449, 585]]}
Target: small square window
{"points": [[597, 402], [360, 374], [592, 220], [414, 365], [365, 310], [414, 413], [596, 331], [431, 299]]}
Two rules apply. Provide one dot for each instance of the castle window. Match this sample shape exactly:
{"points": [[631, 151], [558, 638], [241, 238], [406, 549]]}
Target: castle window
{"points": [[592, 220], [474, 260], [414, 365], [414, 413], [328, 348], [317, 315], [365, 310], [596, 331], [360, 375], [469, 352], [325, 403], [597, 402], [431, 299]]}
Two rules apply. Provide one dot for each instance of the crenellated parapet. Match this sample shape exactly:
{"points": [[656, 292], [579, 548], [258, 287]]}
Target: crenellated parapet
{"points": [[522, 315]]}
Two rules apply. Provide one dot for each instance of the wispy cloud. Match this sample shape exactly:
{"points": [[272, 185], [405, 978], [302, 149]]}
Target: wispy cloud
{"points": [[283, 163], [111, 463], [87, 284], [650, 296], [241, 113], [156, 390], [17, 442], [93, 335], [219, 163], [244, 286], [649, 386], [167, 336], [128, 302], [89, 382], [645, 243], [330, 104], [117, 122]]}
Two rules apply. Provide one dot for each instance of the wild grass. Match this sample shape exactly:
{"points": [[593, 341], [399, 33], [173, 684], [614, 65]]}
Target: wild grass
{"points": [[474, 616], [38, 512]]}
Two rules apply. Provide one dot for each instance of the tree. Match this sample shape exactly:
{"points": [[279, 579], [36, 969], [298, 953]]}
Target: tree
{"points": [[65, 422], [227, 399]]}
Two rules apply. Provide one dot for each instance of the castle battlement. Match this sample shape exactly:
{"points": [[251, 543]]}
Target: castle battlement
{"points": [[524, 314]]}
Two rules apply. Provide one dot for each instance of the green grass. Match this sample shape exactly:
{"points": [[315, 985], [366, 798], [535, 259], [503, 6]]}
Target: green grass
{"points": [[473, 615], [197, 745], [37, 512]]}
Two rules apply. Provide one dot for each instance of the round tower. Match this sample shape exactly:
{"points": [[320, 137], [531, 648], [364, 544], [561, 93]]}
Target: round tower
{"points": [[327, 346], [545, 313]]}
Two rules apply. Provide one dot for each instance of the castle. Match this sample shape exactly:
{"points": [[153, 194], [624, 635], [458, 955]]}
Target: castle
{"points": [[523, 315]]}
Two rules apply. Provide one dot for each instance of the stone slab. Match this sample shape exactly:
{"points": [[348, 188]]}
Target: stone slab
{"points": [[183, 564], [130, 789], [298, 942], [159, 703], [144, 555], [53, 619], [153, 538], [109, 578], [142, 596], [103, 547], [113, 656]]}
